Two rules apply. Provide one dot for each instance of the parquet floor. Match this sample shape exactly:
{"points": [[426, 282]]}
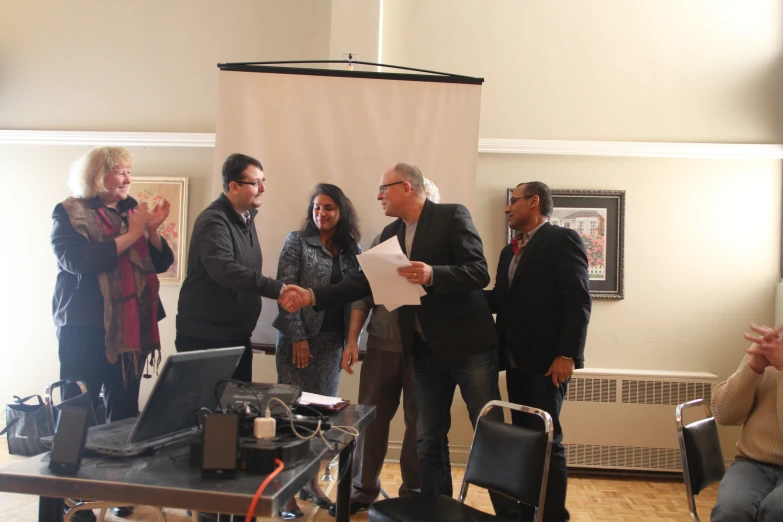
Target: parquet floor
{"points": [[594, 499]]}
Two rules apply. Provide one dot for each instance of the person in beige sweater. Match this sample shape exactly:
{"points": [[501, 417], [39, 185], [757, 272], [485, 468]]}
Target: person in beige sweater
{"points": [[752, 489]]}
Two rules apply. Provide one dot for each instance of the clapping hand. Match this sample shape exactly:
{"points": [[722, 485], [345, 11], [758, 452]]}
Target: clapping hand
{"points": [[158, 215], [767, 349], [294, 298], [137, 220]]}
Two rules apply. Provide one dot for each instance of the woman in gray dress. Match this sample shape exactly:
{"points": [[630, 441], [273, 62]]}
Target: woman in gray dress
{"points": [[309, 342]]}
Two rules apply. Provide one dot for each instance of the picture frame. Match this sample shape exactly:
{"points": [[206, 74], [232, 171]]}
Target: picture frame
{"points": [[599, 217], [153, 190]]}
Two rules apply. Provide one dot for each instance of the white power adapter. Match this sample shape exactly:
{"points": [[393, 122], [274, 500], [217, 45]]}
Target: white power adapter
{"points": [[264, 428]]}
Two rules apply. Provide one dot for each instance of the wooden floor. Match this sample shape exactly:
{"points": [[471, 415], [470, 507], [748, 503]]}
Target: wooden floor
{"points": [[589, 499]]}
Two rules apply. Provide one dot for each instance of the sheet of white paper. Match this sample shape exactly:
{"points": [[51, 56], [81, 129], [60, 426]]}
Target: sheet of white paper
{"points": [[320, 400], [380, 266]]}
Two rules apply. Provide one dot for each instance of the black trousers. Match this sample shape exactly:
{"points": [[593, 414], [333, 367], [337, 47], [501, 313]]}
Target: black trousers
{"points": [[536, 390], [244, 371], [82, 353]]}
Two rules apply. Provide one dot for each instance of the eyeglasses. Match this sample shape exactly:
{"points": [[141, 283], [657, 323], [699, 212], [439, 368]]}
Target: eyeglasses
{"points": [[514, 200], [382, 189], [257, 182]]}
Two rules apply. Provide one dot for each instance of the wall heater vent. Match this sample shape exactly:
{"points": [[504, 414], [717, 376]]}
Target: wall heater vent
{"points": [[624, 419], [622, 457], [585, 389], [664, 392]]}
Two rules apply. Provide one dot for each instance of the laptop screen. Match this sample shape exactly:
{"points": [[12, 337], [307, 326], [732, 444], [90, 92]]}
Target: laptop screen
{"points": [[186, 384]]}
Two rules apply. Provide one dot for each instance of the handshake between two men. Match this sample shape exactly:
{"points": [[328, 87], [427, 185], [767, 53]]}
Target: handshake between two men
{"points": [[294, 298]]}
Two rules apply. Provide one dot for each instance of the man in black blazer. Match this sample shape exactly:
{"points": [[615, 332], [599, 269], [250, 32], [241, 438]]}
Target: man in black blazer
{"points": [[542, 301], [450, 336]]}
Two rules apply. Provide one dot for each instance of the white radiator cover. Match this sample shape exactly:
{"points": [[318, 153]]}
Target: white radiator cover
{"points": [[624, 419]]}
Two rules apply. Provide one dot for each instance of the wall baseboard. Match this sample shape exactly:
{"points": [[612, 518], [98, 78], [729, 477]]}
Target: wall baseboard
{"points": [[485, 145]]}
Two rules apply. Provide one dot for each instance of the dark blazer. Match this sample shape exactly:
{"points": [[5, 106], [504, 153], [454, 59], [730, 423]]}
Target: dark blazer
{"points": [[454, 315], [544, 314]]}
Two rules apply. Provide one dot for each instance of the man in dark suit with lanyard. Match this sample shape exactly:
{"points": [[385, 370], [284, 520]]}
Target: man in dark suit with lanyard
{"points": [[450, 336], [542, 301]]}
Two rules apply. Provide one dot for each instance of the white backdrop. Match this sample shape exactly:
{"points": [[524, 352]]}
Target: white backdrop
{"points": [[345, 130]]}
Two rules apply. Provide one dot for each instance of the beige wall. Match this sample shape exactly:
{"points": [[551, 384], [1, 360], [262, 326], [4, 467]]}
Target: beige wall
{"points": [[697, 269], [140, 66], [355, 30], [649, 70]]}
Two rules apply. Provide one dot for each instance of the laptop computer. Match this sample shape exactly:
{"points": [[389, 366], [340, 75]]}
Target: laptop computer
{"points": [[186, 383]]}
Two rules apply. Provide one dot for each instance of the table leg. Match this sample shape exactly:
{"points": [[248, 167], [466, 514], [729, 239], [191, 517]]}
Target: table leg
{"points": [[345, 477], [50, 509]]}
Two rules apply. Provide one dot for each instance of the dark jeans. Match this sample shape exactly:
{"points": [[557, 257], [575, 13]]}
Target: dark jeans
{"points": [[82, 353], [750, 491], [244, 371], [477, 378], [537, 391]]}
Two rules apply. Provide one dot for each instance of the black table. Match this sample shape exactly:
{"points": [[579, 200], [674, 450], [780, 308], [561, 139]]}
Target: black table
{"points": [[166, 479]]}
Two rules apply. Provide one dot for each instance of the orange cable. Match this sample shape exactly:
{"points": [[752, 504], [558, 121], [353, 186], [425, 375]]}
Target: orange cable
{"points": [[261, 488]]}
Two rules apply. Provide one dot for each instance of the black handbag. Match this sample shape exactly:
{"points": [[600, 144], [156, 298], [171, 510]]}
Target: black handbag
{"points": [[25, 424], [80, 401]]}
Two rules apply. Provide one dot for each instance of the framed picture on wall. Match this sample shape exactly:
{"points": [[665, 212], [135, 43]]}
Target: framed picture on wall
{"points": [[599, 217], [174, 230]]}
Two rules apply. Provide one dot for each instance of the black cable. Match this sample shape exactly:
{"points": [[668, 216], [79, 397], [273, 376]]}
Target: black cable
{"points": [[173, 458], [321, 416], [199, 425], [341, 477]]}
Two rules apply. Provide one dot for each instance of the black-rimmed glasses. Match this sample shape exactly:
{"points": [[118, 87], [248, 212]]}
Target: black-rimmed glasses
{"points": [[257, 182], [382, 188]]}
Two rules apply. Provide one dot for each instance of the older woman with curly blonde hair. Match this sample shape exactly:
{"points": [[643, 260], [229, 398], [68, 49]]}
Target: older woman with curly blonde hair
{"points": [[106, 305]]}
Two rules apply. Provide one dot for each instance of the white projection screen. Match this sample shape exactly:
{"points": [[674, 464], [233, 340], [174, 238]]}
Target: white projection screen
{"points": [[308, 126]]}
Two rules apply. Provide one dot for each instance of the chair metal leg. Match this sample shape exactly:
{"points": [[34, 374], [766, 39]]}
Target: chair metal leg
{"points": [[385, 495], [82, 506], [161, 514], [328, 469]]}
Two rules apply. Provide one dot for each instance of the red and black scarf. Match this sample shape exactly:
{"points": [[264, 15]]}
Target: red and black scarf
{"points": [[130, 289]]}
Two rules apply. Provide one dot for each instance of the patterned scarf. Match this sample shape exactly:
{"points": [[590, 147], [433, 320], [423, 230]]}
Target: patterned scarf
{"points": [[130, 289]]}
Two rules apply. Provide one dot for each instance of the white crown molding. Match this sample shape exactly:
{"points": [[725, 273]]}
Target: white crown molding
{"points": [[486, 145], [127, 139], [631, 149]]}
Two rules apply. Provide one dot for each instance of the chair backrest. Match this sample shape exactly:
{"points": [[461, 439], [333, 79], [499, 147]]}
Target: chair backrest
{"points": [[82, 401], [508, 459], [700, 452]]}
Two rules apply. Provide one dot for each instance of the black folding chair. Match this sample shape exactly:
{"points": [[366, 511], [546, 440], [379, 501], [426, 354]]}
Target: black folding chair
{"points": [[702, 458], [510, 460]]}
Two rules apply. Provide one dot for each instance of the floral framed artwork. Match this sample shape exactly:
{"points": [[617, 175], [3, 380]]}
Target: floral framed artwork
{"points": [[174, 230], [599, 217]]}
